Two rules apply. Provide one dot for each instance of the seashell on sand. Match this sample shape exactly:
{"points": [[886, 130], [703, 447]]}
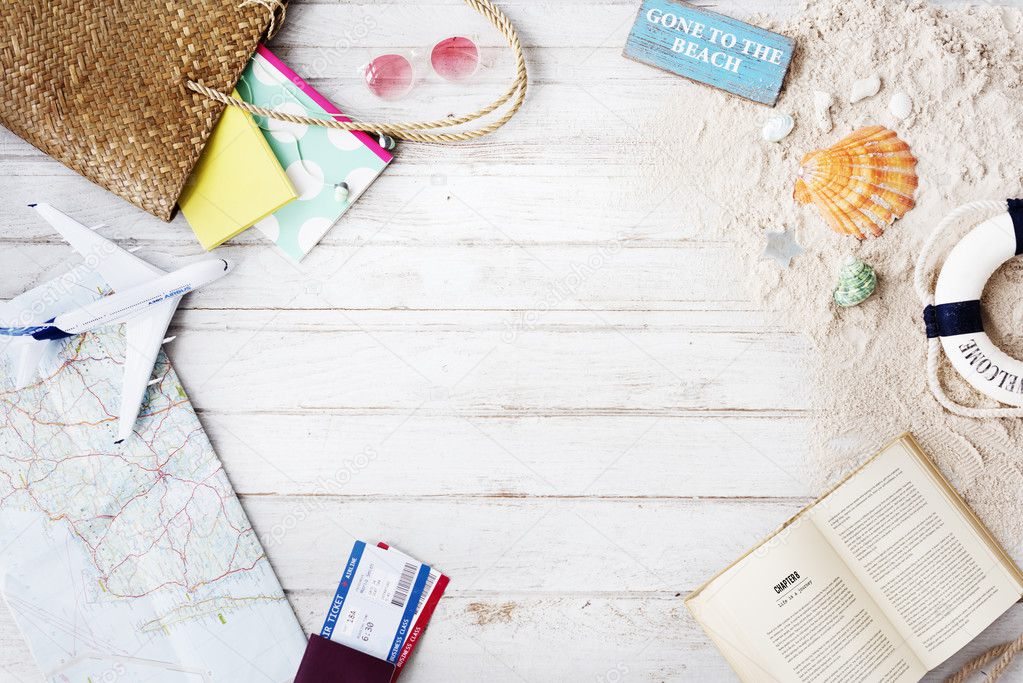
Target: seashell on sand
{"points": [[822, 102], [777, 127], [900, 106], [860, 185], [856, 282], [864, 88]]}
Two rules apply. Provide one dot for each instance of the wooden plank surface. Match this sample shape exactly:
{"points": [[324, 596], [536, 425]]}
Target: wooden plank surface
{"points": [[515, 358]]}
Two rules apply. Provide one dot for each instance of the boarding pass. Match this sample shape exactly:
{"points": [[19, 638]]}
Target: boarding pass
{"points": [[432, 592], [376, 601]]}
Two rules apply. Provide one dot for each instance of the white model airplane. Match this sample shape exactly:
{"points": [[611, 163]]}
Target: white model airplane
{"points": [[144, 298]]}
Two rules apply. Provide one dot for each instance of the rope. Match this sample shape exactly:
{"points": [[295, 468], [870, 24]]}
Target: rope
{"points": [[1004, 654], [278, 10], [972, 213], [409, 130]]}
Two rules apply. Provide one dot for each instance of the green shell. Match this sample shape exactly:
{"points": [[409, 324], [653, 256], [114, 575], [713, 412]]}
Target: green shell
{"points": [[856, 282]]}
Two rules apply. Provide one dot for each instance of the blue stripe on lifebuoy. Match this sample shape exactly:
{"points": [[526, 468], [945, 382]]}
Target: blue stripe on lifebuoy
{"points": [[1016, 212], [949, 320]]}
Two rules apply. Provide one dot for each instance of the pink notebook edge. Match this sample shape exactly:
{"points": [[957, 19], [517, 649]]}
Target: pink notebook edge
{"points": [[328, 107]]}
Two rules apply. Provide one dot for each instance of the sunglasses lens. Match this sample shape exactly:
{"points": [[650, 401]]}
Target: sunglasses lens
{"points": [[389, 76], [455, 59]]}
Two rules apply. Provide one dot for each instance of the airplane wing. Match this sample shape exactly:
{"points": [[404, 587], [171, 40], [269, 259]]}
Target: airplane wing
{"points": [[32, 358], [119, 268], [24, 356], [144, 336], [26, 361]]}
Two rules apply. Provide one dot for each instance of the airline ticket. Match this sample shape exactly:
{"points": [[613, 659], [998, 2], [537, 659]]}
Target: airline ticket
{"points": [[376, 602]]}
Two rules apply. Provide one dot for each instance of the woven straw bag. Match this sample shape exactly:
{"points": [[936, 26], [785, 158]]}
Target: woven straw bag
{"points": [[127, 92], [100, 85]]}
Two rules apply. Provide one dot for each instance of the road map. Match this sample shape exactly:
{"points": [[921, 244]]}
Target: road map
{"points": [[133, 562]]}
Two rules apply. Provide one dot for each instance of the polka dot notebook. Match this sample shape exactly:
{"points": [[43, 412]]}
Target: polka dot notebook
{"points": [[330, 169]]}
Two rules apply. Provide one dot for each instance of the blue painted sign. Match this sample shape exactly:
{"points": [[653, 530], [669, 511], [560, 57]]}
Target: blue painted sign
{"points": [[711, 48]]}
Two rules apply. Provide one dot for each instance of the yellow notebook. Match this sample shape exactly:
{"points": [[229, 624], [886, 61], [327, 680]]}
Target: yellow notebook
{"points": [[237, 182]]}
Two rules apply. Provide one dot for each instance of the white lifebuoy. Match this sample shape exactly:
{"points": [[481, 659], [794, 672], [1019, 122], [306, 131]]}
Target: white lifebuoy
{"points": [[955, 317]]}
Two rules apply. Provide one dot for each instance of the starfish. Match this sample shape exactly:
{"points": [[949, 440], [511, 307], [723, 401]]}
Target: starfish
{"points": [[781, 247]]}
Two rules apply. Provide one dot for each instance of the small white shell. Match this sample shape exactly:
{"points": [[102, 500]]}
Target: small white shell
{"points": [[864, 88], [822, 102], [901, 106], [777, 127]]}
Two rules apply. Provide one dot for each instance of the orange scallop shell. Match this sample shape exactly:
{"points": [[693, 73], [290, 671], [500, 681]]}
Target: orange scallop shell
{"points": [[862, 184]]}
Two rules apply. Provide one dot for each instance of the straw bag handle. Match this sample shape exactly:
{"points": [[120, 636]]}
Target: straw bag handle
{"points": [[405, 130]]}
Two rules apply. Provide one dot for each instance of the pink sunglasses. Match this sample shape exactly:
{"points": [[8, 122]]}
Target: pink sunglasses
{"points": [[393, 75]]}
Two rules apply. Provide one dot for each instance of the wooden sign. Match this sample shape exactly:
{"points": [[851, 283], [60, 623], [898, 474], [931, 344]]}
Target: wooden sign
{"points": [[711, 48]]}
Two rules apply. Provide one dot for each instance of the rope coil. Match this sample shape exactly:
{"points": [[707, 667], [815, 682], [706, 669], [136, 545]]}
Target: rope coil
{"points": [[404, 130]]}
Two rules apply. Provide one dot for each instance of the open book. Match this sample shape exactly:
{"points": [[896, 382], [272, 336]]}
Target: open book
{"points": [[881, 579]]}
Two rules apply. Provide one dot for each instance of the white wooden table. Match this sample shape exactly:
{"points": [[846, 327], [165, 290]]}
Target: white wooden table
{"points": [[505, 360]]}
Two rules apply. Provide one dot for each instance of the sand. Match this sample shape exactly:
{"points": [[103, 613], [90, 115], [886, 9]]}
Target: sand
{"points": [[960, 66]]}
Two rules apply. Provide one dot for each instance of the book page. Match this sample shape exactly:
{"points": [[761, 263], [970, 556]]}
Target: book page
{"points": [[916, 553], [792, 611]]}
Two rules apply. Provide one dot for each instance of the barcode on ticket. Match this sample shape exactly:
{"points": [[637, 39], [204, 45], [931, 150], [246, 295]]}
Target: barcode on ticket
{"points": [[408, 575]]}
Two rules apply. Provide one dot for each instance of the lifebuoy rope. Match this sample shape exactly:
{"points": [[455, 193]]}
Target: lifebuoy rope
{"points": [[405, 130], [971, 213]]}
